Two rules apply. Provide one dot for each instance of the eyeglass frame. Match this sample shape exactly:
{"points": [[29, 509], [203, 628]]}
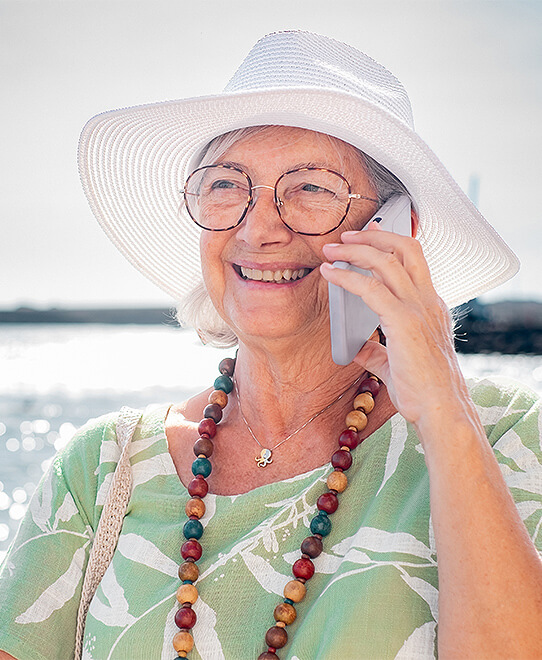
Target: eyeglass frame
{"points": [[278, 202]]}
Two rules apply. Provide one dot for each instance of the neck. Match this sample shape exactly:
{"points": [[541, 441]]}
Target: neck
{"points": [[280, 390]]}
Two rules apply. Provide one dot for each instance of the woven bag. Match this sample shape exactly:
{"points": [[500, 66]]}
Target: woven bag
{"points": [[108, 530]]}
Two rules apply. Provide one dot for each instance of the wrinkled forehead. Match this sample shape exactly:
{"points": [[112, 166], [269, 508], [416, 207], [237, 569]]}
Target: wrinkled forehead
{"points": [[297, 146]]}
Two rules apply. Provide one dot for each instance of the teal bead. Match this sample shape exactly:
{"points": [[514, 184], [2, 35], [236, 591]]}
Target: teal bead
{"points": [[202, 466], [188, 581], [289, 601], [321, 524], [224, 383], [192, 529]]}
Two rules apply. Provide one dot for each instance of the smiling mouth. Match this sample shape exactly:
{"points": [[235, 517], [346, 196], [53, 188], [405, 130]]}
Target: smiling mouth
{"points": [[276, 276]]}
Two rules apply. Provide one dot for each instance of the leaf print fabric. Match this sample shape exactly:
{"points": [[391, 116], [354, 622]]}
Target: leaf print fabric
{"points": [[375, 590]]}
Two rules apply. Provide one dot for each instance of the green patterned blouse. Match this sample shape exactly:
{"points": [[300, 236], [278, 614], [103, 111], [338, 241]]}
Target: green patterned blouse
{"points": [[375, 591]]}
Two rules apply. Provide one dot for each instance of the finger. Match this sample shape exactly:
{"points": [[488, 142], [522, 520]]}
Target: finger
{"points": [[376, 294], [407, 249], [374, 358], [385, 266]]}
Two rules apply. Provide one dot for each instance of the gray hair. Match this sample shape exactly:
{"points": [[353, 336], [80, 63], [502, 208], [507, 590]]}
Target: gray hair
{"points": [[196, 309]]}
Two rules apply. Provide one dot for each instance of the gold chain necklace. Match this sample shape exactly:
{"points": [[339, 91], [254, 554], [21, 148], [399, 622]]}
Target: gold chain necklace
{"points": [[266, 455]]}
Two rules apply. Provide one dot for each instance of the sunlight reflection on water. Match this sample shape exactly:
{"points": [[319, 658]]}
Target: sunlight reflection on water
{"points": [[54, 378]]}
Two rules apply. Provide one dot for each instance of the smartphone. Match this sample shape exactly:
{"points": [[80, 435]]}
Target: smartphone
{"points": [[352, 320]]}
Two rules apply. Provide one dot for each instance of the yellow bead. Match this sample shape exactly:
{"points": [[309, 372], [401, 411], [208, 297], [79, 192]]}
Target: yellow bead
{"points": [[345, 448], [195, 507], [182, 654], [364, 402], [183, 642], [280, 624], [356, 418], [284, 614], [220, 397], [337, 481], [187, 593], [295, 591]]}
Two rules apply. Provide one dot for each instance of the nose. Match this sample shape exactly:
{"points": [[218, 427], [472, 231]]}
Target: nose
{"points": [[262, 224]]}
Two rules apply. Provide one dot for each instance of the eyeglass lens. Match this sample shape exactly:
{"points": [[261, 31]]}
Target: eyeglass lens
{"points": [[311, 201]]}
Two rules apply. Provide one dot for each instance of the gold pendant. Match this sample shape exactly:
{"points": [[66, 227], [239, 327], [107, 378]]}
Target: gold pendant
{"points": [[264, 458]]}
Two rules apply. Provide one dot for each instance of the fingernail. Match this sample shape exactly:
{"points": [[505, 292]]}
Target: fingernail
{"points": [[326, 266], [349, 232], [332, 245]]}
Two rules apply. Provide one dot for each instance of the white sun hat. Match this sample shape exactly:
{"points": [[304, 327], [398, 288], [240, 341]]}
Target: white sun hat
{"points": [[133, 162]]}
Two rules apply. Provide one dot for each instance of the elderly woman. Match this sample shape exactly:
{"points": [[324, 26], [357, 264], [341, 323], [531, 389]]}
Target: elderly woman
{"points": [[330, 511]]}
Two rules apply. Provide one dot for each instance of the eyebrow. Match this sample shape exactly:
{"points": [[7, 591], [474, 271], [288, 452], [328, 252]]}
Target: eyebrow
{"points": [[297, 166]]}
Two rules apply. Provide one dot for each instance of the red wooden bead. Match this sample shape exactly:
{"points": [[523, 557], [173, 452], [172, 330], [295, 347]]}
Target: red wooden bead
{"points": [[213, 411], [369, 385], [341, 459], [207, 426], [312, 546], [185, 618], [191, 549], [328, 502], [204, 446], [349, 438], [303, 568], [198, 487]]}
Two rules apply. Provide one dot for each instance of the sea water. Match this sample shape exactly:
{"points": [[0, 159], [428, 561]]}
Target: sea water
{"points": [[53, 378]]}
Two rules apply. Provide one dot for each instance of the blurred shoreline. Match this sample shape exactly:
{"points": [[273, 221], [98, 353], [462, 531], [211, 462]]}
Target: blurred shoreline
{"points": [[508, 327]]}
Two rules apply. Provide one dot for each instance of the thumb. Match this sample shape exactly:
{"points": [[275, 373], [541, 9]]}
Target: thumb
{"points": [[374, 357]]}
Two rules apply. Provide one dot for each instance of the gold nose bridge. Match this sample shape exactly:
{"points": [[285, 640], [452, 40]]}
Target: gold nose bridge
{"points": [[277, 203]]}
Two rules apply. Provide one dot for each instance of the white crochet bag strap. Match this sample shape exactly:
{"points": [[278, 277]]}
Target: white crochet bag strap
{"points": [[108, 530]]}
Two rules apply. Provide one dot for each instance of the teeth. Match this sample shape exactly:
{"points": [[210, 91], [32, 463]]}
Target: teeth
{"points": [[273, 275]]}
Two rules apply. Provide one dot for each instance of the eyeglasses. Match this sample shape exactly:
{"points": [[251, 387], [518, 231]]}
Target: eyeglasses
{"points": [[312, 201]]}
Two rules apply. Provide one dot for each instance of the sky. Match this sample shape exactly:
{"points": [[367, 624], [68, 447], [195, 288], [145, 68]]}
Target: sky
{"points": [[473, 70]]}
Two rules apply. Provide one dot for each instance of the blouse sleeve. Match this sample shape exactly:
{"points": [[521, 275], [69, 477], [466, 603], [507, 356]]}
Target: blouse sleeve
{"points": [[512, 417], [41, 576]]}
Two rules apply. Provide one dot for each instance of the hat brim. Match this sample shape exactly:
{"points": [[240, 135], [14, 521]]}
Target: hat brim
{"points": [[133, 163]]}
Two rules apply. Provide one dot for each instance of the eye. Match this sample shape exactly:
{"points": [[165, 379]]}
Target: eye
{"points": [[313, 188], [224, 184]]}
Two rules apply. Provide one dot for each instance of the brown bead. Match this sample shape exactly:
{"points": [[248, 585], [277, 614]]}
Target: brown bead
{"points": [[356, 418], [227, 366], [364, 402], [195, 507], [276, 637], [183, 641], [213, 411], [295, 591], [312, 546], [203, 446], [268, 656], [219, 397], [337, 481], [187, 593], [188, 571], [285, 613]]}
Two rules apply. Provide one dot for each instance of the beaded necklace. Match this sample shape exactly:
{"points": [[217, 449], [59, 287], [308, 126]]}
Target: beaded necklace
{"points": [[303, 569]]}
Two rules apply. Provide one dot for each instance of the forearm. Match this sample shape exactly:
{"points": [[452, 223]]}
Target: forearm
{"points": [[490, 574]]}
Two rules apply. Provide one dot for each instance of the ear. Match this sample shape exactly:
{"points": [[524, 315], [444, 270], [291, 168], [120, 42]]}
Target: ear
{"points": [[415, 222]]}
